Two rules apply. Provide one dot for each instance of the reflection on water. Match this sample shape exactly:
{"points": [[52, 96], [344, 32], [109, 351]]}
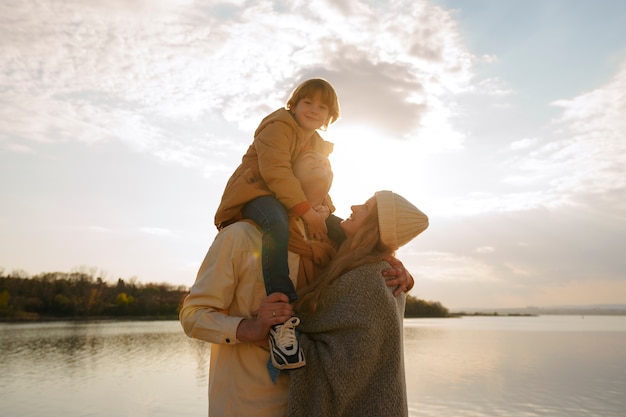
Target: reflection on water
{"points": [[531, 366], [101, 369], [484, 366]]}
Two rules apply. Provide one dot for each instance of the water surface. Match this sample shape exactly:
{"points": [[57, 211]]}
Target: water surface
{"points": [[561, 366]]}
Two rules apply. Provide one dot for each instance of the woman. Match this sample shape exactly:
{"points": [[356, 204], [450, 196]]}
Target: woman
{"points": [[351, 323]]}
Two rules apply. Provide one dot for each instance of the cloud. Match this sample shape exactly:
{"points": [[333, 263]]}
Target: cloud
{"points": [[450, 267], [485, 249], [494, 87], [374, 93], [557, 229], [523, 144], [156, 231], [17, 148], [98, 229], [580, 153], [172, 78], [579, 242], [586, 152], [593, 128]]}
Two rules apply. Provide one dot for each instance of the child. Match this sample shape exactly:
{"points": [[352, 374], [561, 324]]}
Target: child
{"points": [[264, 189]]}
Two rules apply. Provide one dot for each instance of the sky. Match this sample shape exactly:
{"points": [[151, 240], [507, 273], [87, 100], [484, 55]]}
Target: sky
{"points": [[504, 121]]}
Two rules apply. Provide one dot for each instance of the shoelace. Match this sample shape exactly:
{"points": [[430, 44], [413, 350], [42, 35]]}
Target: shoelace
{"points": [[286, 335]]}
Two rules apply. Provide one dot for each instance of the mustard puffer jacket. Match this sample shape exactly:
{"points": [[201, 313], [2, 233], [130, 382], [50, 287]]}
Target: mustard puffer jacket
{"points": [[265, 169]]}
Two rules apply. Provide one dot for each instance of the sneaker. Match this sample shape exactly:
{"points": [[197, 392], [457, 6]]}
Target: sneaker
{"points": [[284, 348]]}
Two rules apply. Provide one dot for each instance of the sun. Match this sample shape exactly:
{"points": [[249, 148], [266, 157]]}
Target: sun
{"points": [[363, 162]]}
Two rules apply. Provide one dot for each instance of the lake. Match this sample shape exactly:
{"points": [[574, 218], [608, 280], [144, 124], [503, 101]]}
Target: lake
{"points": [[561, 366]]}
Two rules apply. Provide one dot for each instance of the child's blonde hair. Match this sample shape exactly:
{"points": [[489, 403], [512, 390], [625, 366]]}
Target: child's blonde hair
{"points": [[308, 89]]}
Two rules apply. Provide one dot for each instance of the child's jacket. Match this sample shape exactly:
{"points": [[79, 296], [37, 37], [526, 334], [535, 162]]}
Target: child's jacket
{"points": [[266, 168]]}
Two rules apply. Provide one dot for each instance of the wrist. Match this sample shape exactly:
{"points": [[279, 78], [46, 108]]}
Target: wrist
{"points": [[245, 330], [300, 210]]}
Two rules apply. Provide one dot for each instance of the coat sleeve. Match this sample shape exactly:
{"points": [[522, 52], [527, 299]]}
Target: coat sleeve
{"points": [[204, 314], [276, 146]]}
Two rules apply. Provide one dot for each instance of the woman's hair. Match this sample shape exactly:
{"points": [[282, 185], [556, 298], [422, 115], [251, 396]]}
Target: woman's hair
{"points": [[308, 89], [362, 248]]}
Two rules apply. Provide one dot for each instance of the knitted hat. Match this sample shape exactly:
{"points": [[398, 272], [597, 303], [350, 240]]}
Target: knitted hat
{"points": [[398, 220]]}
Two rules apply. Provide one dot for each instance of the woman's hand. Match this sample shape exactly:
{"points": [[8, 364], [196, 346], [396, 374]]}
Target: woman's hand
{"points": [[401, 279], [274, 309]]}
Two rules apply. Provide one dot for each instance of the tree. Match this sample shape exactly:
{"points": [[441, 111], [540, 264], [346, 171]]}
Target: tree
{"points": [[4, 302], [421, 308]]}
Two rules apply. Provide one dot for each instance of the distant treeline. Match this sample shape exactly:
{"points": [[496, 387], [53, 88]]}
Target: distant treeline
{"points": [[63, 295], [421, 308], [80, 295]]}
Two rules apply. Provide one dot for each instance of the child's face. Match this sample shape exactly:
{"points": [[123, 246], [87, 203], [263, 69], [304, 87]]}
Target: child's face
{"points": [[311, 113]]}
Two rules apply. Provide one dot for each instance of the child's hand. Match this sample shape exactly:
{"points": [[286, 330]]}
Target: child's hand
{"points": [[315, 224], [322, 211]]}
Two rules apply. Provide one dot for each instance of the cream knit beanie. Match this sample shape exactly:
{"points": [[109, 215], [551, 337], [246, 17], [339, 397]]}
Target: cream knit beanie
{"points": [[398, 220]]}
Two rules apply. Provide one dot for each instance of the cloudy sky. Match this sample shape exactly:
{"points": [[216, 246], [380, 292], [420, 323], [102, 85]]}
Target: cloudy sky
{"points": [[504, 121]]}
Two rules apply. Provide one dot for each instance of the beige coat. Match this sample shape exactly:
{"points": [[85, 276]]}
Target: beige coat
{"points": [[229, 287], [266, 168]]}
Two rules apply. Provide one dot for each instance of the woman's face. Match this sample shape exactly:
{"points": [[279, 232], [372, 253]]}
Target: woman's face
{"points": [[356, 219]]}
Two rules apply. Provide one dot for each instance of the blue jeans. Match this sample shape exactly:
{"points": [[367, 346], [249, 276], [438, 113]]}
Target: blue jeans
{"points": [[271, 216]]}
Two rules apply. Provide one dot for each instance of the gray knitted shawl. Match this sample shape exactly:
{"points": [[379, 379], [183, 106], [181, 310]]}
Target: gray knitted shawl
{"points": [[353, 350]]}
